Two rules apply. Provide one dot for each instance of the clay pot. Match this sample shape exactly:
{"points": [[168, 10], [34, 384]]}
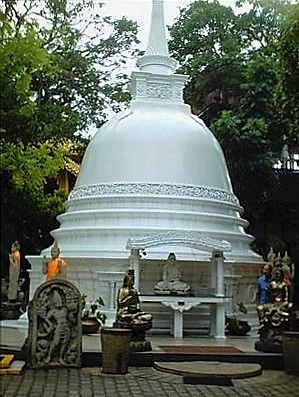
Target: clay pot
{"points": [[90, 326]]}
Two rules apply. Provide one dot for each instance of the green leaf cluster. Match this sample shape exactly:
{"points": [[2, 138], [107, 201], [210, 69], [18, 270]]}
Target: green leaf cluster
{"points": [[243, 69], [61, 72]]}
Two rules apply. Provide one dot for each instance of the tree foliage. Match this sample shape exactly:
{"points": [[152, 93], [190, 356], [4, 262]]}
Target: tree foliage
{"points": [[62, 69], [288, 76], [243, 81]]}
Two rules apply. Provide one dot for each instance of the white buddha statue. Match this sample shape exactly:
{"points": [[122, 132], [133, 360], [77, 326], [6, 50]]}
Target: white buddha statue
{"points": [[171, 282]]}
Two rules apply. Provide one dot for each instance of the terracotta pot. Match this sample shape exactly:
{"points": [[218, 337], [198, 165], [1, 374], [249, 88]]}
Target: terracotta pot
{"points": [[90, 326], [240, 328]]}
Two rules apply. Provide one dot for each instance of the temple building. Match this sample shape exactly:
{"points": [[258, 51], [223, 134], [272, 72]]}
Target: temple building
{"points": [[154, 181]]}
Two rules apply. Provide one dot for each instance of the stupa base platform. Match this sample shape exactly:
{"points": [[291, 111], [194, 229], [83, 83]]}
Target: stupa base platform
{"points": [[213, 373]]}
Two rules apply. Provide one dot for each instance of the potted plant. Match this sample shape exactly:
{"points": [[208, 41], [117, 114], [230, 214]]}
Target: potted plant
{"points": [[234, 325], [92, 315]]}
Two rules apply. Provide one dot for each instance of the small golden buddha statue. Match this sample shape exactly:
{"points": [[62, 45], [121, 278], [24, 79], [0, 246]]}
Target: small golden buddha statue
{"points": [[128, 304]]}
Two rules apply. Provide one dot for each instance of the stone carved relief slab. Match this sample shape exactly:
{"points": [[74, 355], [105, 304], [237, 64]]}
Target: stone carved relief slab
{"points": [[165, 189], [55, 328], [169, 88]]}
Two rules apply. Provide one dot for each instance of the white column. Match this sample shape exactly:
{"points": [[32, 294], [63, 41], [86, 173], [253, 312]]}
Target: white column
{"points": [[220, 274], [213, 273], [231, 290], [36, 275], [134, 260], [112, 285], [213, 319], [112, 278], [220, 321], [178, 323], [178, 308]]}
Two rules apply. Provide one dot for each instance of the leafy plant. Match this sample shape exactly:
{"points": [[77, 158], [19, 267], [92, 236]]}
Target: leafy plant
{"points": [[234, 325], [92, 309]]}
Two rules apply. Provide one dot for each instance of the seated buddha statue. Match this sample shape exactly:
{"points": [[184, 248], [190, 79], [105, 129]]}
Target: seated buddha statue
{"points": [[171, 283], [129, 314]]}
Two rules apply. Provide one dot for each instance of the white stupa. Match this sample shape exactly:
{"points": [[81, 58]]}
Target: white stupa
{"points": [[154, 171], [153, 168]]}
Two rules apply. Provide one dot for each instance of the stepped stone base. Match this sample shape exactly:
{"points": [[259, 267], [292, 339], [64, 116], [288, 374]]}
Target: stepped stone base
{"points": [[215, 372]]}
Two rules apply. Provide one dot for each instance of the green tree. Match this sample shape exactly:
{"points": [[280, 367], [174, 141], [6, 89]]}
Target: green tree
{"points": [[288, 77], [60, 72], [240, 74], [207, 41]]}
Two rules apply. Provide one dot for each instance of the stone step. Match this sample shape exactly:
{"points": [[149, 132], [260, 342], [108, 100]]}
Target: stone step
{"points": [[214, 372]]}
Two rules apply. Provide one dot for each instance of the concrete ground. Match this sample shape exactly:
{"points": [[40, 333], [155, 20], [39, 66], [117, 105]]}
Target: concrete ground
{"points": [[13, 336], [92, 343], [139, 382]]}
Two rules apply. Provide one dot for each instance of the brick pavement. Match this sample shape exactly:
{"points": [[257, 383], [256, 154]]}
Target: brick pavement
{"points": [[139, 382]]}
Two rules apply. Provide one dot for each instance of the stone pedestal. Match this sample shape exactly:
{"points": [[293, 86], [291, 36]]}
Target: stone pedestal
{"points": [[290, 345], [115, 350]]}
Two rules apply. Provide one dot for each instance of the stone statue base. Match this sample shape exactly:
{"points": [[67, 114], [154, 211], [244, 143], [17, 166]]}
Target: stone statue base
{"points": [[172, 293], [268, 346], [10, 310], [270, 343], [138, 342]]}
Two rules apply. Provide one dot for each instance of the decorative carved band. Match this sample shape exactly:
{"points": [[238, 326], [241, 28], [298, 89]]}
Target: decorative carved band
{"points": [[191, 239], [163, 88], [163, 189]]}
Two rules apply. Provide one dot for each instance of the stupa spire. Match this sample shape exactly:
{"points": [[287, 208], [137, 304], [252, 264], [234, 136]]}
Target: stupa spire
{"points": [[157, 42], [156, 58]]}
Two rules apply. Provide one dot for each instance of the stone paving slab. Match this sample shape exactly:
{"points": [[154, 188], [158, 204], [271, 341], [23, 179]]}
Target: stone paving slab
{"points": [[210, 369], [139, 382]]}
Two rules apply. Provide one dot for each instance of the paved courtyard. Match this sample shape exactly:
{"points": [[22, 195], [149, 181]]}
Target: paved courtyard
{"points": [[146, 382]]}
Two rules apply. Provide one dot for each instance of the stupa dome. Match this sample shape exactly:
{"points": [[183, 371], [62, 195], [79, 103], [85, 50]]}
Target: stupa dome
{"points": [[154, 168]]}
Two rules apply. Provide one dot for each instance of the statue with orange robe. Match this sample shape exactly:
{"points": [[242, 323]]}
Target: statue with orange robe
{"points": [[14, 271], [54, 268]]}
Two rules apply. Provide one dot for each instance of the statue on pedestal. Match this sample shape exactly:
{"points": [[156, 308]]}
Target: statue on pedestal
{"points": [[288, 269], [129, 314], [54, 268], [171, 283], [14, 271], [55, 327], [274, 316], [10, 309]]}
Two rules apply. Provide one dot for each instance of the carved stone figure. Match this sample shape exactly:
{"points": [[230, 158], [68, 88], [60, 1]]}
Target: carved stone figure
{"points": [[11, 297], [14, 271], [171, 283], [271, 256], [54, 268], [55, 328], [288, 269], [129, 314], [274, 316]]}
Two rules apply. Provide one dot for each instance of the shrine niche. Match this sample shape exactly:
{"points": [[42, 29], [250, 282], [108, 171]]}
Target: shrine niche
{"points": [[55, 328]]}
